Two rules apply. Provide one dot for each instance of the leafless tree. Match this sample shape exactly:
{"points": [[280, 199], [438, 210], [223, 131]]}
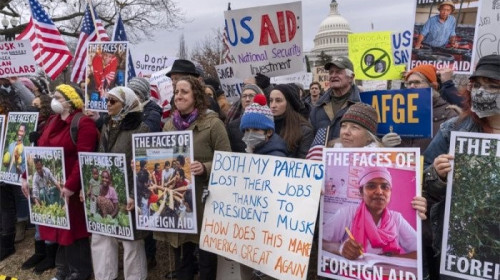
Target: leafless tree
{"points": [[183, 51], [207, 53]]}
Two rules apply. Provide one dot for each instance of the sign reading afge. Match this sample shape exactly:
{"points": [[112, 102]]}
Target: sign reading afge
{"points": [[471, 235], [266, 39], [261, 212], [16, 59]]}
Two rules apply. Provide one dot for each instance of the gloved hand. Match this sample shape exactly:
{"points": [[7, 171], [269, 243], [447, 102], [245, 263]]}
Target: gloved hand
{"points": [[34, 136], [262, 81], [391, 139], [205, 195]]}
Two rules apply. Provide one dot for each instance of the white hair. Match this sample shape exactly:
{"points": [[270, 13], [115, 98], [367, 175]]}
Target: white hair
{"points": [[349, 72]]}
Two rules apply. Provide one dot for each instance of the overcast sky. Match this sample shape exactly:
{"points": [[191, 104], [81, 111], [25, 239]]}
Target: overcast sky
{"points": [[204, 16]]}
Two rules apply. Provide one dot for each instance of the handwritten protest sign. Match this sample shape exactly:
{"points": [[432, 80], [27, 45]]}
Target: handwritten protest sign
{"points": [[371, 55], [401, 47], [16, 59], [261, 212], [322, 76], [303, 78], [106, 69], [471, 236], [146, 63], [162, 89], [488, 39], [450, 44], [2, 124], [266, 39], [164, 184], [106, 191], [46, 178], [360, 181], [19, 126], [231, 84], [408, 112]]}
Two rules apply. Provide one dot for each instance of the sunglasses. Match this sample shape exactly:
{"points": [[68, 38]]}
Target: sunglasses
{"points": [[112, 101]]}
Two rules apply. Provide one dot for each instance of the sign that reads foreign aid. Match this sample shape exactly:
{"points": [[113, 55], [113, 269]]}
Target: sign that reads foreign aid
{"points": [[16, 59], [266, 39], [261, 212]]}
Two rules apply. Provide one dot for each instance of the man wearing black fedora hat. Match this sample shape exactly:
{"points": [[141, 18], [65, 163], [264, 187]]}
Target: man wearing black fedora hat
{"points": [[182, 67]]}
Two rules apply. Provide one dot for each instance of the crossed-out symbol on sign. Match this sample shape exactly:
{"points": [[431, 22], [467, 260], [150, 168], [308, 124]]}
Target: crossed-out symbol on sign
{"points": [[375, 62]]}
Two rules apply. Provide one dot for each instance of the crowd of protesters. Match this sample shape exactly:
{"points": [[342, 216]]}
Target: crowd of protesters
{"points": [[268, 119]]}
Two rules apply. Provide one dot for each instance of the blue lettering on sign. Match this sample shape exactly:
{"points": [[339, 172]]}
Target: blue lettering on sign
{"points": [[295, 225], [294, 169], [400, 41], [243, 23]]}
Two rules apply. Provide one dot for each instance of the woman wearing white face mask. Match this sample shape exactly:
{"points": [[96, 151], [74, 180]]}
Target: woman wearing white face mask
{"points": [[481, 114], [73, 260]]}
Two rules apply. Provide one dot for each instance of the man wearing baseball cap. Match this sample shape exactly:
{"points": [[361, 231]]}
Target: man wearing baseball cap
{"points": [[439, 29], [339, 97]]}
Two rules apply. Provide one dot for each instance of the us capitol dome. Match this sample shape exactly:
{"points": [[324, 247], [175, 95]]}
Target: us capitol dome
{"points": [[331, 37]]}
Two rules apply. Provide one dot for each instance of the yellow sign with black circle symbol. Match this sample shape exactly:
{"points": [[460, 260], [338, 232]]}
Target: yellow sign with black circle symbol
{"points": [[371, 54], [4, 277]]}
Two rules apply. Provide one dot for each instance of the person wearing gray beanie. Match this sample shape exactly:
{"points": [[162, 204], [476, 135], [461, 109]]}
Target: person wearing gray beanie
{"points": [[141, 87], [151, 113]]}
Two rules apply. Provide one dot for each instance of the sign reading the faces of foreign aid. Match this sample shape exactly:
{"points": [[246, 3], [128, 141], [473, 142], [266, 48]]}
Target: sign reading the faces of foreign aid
{"points": [[16, 59], [164, 185], [19, 126], [368, 228], [471, 231], [266, 39], [106, 191], [261, 212], [46, 177]]}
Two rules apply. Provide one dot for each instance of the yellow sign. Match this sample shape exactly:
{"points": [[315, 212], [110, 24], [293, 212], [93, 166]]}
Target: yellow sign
{"points": [[3, 277], [371, 54]]}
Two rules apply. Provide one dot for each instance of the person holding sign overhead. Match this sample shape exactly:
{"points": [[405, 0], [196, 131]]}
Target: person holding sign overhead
{"points": [[189, 112]]}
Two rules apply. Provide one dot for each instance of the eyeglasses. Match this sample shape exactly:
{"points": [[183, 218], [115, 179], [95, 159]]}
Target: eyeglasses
{"points": [[492, 88], [247, 96], [111, 101], [414, 83], [373, 186]]}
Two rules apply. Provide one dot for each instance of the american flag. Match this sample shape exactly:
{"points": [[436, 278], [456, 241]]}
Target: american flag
{"points": [[87, 34], [120, 35], [316, 150], [49, 48]]}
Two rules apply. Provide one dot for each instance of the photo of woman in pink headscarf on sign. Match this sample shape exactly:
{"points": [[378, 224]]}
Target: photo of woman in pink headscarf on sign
{"points": [[370, 227]]}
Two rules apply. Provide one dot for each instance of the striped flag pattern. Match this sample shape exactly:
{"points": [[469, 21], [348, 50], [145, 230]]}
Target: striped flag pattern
{"points": [[88, 33], [120, 35], [50, 51], [316, 150]]}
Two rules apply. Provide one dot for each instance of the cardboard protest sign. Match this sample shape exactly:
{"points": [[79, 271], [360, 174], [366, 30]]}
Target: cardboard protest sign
{"points": [[445, 36], [19, 126], [488, 39], [106, 69], [471, 232], [322, 76], [265, 39], [106, 191], [46, 177], [261, 212], [146, 63], [408, 112], [358, 182], [303, 78], [16, 59], [371, 55], [230, 84], [164, 185]]}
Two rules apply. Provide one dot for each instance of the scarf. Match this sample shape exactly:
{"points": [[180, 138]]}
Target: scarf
{"points": [[364, 228], [181, 123]]}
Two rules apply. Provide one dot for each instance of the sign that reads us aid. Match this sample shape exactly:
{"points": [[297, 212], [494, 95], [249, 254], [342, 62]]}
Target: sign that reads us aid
{"points": [[266, 39], [262, 210], [408, 112]]}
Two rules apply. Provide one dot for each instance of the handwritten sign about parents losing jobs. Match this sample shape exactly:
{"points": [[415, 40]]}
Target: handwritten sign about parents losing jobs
{"points": [[266, 39], [262, 211], [471, 232]]}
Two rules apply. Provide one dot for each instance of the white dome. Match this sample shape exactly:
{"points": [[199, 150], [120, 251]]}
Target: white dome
{"points": [[332, 34], [334, 21]]}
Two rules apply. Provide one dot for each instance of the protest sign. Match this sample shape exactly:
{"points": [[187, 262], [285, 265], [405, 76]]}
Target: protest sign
{"points": [[106, 69], [401, 47], [106, 191], [408, 112], [261, 211], [488, 39], [321, 76], [164, 184], [302, 78], [46, 177], [471, 233], [2, 124], [446, 38], [265, 39], [371, 55], [230, 84], [19, 126], [360, 181], [162, 89], [146, 63], [16, 59]]}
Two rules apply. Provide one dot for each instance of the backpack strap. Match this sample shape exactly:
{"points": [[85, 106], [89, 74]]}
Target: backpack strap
{"points": [[74, 127]]}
